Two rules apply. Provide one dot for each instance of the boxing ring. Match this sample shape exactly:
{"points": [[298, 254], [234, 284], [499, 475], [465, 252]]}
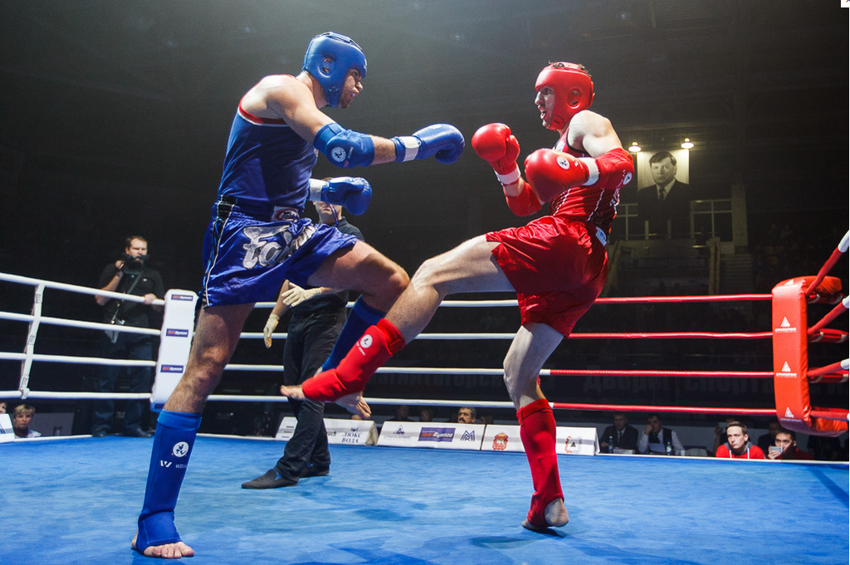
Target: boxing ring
{"points": [[75, 500]]}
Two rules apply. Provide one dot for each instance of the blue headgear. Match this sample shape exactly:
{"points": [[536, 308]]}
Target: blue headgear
{"points": [[329, 57]]}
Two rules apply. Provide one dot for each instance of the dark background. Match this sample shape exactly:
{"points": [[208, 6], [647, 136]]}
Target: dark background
{"points": [[115, 117]]}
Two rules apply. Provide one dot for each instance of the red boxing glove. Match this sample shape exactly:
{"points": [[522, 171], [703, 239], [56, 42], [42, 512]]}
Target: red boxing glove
{"points": [[551, 172], [495, 144]]}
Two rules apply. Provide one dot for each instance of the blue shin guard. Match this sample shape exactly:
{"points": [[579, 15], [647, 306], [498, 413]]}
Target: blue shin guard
{"points": [[172, 445], [361, 318]]}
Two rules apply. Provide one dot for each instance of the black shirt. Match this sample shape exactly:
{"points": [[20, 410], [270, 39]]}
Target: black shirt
{"points": [[133, 313]]}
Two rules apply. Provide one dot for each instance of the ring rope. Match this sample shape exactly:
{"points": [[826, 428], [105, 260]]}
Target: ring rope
{"points": [[837, 253]]}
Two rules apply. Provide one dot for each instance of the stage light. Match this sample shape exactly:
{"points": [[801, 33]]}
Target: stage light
{"points": [[635, 148], [687, 144]]}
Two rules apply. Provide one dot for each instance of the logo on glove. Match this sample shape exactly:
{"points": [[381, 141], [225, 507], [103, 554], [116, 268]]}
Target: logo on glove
{"points": [[338, 154], [563, 162]]}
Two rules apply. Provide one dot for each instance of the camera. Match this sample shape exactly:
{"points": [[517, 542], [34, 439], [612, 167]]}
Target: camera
{"points": [[133, 265]]}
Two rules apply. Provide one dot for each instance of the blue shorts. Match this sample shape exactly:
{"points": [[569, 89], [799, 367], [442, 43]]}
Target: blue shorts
{"points": [[248, 255]]}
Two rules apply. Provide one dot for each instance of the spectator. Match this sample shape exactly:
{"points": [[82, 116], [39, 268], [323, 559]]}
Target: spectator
{"points": [[769, 439], [2, 406], [466, 415], [720, 433], [619, 436], [738, 445], [402, 414], [785, 447], [658, 440], [129, 275], [22, 415], [426, 414]]}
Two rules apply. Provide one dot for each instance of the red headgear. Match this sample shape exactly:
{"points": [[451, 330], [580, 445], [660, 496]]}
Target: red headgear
{"points": [[573, 91]]}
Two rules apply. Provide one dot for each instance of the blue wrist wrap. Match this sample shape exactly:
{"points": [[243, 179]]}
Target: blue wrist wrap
{"points": [[343, 147]]}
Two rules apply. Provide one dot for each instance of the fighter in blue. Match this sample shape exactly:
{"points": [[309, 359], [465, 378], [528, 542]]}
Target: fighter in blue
{"points": [[257, 238]]}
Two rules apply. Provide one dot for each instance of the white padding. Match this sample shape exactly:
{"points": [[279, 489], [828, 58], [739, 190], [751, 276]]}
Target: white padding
{"points": [[411, 146], [509, 178], [316, 187], [7, 434], [592, 170], [178, 322]]}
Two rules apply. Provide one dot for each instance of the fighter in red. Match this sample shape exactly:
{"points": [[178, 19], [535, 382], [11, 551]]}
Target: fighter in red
{"points": [[557, 264]]}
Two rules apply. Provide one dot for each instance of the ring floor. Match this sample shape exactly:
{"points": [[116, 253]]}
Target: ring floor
{"points": [[76, 501]]}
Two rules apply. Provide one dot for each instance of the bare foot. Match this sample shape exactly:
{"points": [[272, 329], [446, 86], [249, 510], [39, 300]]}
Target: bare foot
{"points": [[556, 516], [293, 392], [166, 551], [355, 404]]}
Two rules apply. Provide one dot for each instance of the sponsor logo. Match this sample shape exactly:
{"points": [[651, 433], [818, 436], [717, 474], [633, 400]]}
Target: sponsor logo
{"points": [[786, 372], [187, 297], [563, 162], [399, 431], [165, 464], [284, 213], [338, 154], [788, 413], [437, 434], [627, 179], [785, 327], [264, 244], [177, 333], [570, 445], [468, 435], [180, 449], [500, 442], [366, 341], [171, 368]]}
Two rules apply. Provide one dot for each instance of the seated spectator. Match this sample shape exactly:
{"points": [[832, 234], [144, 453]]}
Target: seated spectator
{"points": [[738, 445], [658, 440], [619, 436], [466, 415], [720, 433], [426, 414], [769, 439], [785, 447], [402, 414], [2, 406], [485, 419], [22, 415]]}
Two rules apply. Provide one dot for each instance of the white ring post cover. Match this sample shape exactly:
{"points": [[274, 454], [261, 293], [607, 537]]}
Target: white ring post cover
{"points": [[178, 323]]}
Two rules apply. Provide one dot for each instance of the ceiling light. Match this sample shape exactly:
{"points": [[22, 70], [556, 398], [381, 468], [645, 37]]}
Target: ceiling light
{"points": [[635, 148], [687, 144]]}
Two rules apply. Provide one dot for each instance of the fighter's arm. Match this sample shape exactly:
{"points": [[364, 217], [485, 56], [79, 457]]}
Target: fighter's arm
{"points": [[608, 167], [290, 99]]}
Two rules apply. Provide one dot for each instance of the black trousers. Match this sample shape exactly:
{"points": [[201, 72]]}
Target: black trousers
{"points": [[127, 346], [309, 342]]}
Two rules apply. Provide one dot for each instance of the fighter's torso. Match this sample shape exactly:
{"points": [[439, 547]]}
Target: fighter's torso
{"points": [[595, 204], [267, 163]]}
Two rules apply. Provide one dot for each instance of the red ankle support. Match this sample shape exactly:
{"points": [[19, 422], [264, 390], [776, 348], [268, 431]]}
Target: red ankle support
{"points": [[537, 431], [378, 344]]}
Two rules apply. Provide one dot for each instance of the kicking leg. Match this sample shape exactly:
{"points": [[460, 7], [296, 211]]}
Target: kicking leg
{"points": [[529, 350], [215, 339], [467, 268]]}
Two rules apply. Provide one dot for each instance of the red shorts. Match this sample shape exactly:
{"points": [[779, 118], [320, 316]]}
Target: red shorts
{"points": [[557, 266]]}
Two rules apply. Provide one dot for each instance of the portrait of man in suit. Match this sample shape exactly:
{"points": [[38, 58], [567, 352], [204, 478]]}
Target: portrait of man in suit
{"points": [[665, 203]]}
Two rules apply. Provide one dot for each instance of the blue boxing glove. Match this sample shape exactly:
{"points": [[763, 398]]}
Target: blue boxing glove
{"points": [[354, 193], [444, 142]]}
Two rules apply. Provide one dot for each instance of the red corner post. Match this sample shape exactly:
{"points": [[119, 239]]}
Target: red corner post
{"points": [[791, 356]]}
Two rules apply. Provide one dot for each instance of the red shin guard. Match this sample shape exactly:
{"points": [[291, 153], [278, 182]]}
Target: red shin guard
{"points": [[537, 431], [378, 344]]}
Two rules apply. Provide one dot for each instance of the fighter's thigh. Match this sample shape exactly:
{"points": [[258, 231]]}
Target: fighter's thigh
{"points": [[360, 267], [217, 333], [468, 267]]}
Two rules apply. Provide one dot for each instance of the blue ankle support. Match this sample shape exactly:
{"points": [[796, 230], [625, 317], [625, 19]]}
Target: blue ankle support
{"points": [[362, 317], [172, 445]]}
